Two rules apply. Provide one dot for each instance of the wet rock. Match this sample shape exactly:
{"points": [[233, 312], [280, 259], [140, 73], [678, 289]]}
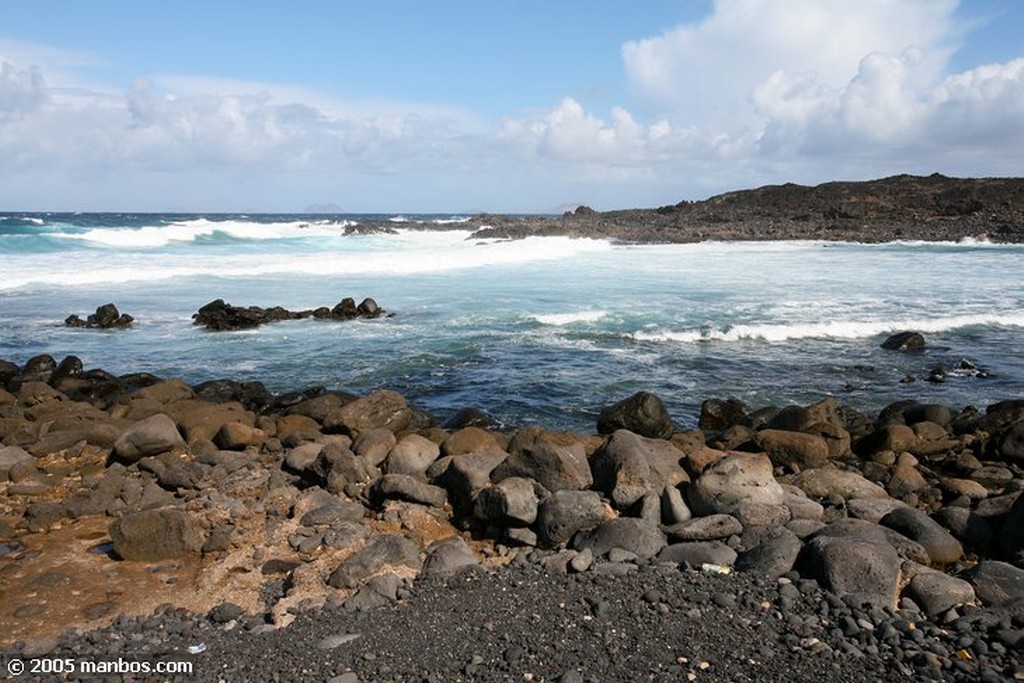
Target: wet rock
{"points": [[564, 513], [717, 415], [106, 317], [385, 550], [641, 538], [904, 341], [732, 480], [629, 466], [153, 535], [150, 436], [642, 413]]}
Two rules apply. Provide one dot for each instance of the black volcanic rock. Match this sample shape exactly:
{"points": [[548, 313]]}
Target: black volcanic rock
{"points": [[219, 315]]}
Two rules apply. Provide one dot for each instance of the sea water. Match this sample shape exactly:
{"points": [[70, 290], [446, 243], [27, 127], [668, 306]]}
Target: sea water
{"points": [[543, 330]]}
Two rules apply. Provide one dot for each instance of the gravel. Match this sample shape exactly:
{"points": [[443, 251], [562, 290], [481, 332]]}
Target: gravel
{"points": [[661, 622]]}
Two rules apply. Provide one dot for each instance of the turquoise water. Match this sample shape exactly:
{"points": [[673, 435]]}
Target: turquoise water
{"points": [[543, 330]]}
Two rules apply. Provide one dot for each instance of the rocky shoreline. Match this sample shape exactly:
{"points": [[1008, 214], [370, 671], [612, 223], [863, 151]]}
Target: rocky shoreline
{"points": [[351, 538], [927, 208]]}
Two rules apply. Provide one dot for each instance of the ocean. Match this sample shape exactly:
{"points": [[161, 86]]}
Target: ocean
{"points": [[543, 330]]}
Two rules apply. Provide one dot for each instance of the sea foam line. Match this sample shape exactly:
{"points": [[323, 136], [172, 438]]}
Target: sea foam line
{"points": [[828, 330]]}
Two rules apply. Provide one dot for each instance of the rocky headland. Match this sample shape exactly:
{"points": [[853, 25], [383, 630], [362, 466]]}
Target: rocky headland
{"points": [[328, 536], [904, 207]]}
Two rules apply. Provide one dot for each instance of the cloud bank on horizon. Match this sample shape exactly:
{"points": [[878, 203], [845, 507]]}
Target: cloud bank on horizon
{"points": [[753, 92]]}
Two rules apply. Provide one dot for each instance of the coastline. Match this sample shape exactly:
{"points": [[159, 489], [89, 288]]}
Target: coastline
{"points": [[255, 512]]}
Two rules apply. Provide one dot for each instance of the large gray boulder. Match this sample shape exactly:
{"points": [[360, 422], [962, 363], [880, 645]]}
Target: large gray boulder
{"points": [[830, 482], [412, 455], [916, 525], [448, 557], [564, 513], [629, 466], [510, 502], [732, 480], [637, 536], [642, 413], [996, 582], [155, 434], [861, 566]]}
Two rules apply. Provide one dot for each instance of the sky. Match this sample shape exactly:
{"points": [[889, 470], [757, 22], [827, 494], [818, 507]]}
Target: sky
{"points": [[503, 106]]}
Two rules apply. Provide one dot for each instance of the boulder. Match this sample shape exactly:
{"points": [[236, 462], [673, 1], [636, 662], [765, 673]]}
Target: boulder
{"points": [[407, 487], [793, 450], [710, 528], [556, 467], [380, 552], [465, 476], [471, 440], [155, 434], [383, 409], [412, 455], [642, 413], [830, 482], [13, 456], [889, 437], [996, 582], [696, 553], [937, 592], [237, 436], [510, 502], [776, 554], [447, 557], [154, 535], [717, 415], [866, 568], [916, 525], [633, 535], [1010, 446], [1011, 533], [106, 317], [564, 513], [630, 466], [732, 480], [904, 341], [374, 445]]}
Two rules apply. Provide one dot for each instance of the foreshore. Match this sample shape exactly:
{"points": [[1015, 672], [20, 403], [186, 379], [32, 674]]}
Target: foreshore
{"points": [[767, 538]]}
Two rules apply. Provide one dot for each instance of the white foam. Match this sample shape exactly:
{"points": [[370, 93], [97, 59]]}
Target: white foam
{"points": [[569, 318], [826, 330], [407, 253], [153, 236]]}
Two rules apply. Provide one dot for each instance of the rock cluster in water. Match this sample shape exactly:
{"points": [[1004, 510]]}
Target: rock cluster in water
{"points": [[218, 315], [906, 527], [106, 317]]}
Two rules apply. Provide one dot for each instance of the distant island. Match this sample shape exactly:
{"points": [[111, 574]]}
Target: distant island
{"points": [[902, 207]]}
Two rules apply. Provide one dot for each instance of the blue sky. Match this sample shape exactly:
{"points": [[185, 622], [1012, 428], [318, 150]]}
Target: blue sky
{"points": [[404, 105]]}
